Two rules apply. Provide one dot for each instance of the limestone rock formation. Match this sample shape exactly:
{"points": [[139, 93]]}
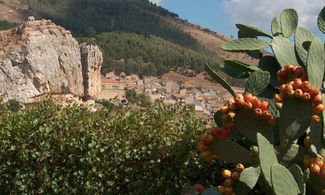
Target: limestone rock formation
{"points": [[39, 57], [91, 61]]}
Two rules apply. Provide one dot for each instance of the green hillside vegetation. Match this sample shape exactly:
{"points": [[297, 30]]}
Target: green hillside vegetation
{"points": [[90, 17], [133, 53]]}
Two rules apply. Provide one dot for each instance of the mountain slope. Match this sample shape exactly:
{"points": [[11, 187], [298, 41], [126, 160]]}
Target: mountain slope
{"points": [[143, 24]]}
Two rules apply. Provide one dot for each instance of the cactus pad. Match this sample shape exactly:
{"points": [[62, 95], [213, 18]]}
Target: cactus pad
{"points": [[284, 51], [294, 119], [230, 151], [301, 36], [248, 124], [257, 82], [254, 32], [270, 64], [283, 181], [237, 69], [267, 157], [316, 62], [275, 27], [245, 44], [297, 173], [321, 20], [219, 80], [289, 22]]}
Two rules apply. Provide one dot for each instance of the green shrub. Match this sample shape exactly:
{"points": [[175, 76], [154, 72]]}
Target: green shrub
{"points": [[52, 149]]}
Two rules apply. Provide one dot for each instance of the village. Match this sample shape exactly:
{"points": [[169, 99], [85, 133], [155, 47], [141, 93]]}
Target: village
{"points": [[206, 101]]}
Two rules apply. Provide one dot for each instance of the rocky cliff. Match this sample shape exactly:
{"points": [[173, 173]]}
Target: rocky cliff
{"points": [[39, 57]]}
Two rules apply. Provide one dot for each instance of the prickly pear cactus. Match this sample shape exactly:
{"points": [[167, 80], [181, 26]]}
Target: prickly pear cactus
{"points": [[273, 137]]}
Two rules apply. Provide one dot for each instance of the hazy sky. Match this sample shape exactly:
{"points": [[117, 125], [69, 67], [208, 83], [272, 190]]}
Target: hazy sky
{"points": [[221, 15]]}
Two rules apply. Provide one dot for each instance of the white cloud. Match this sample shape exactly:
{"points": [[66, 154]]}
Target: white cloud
{"points": [[259, 13], [156, 1]]}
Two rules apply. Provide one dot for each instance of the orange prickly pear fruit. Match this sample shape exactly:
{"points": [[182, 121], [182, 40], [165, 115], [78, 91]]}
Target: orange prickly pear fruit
{"points": [[314, 169], [283, 89], [313, 91], [290, 69], [299, 71], [278, 97], [230, 101], [235, 175], [240, 167], [305, 86], [210, 139], [224, 109], [248, 105], [202, 147], [221, 189], [240, 103], [297, 83], [319, 161], [318, 99], [226, 173], [232, 107], [306, 97], [278, 105], [228, 182], [307, 141], [258, 112], [231, 114], [318, 108], [205, 154], [314, 119], [215, 132], [199, 187], [225, 132], [248, 97], [299, 93], [256, 103], [272, 121], [291, 93], [239, 96], [264, 105]]}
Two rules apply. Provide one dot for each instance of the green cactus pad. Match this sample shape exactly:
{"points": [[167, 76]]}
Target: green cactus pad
{"points": [[321, 20], [245, 44], [266, 156], [275, 27], [301, 36], [254, 32], [283, 181], [294, 119], [317, 183], [293, 154], [220, 80], [270, 64], [284, 51], [230, 151], [289, 22], [189, 190], [297, 173], [316, 62], [237, 69], [248, 124], [257, 82], [247, 181], [250, 176], [210, 191]]}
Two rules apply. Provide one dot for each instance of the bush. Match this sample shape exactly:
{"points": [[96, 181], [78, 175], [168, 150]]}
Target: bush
{"points": [[48, 148]]}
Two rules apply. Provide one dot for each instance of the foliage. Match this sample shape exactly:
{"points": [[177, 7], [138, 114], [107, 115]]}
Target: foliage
{"points": [[133, 53], [106, 103], [88, 18], [48, 148], [142, 99], [286, 144]]}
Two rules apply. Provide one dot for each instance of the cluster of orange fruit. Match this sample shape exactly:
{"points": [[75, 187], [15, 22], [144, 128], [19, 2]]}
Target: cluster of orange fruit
{"points": [[289, 71], [248, 102], [316, 166], [207, 139], [230, 179], [299, 88]]}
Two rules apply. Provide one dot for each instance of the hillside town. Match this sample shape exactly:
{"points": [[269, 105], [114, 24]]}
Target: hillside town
{"points": [[206, 101]]}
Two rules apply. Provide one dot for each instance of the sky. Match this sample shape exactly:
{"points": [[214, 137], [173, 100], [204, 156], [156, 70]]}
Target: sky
{"points": [[222, 15]]}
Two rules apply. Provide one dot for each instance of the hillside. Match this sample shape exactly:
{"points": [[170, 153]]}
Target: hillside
{"points": [[131, 32]]}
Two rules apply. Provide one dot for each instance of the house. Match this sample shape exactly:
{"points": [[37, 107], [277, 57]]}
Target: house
{"points": [[113, 88]]}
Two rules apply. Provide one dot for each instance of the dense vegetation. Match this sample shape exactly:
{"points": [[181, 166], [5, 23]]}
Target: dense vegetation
{"points": [[49, 149], [88, 18], [131, 33], [133, 53]]}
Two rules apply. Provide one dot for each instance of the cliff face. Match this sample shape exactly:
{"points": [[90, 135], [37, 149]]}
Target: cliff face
{"points": [[39, 57]]}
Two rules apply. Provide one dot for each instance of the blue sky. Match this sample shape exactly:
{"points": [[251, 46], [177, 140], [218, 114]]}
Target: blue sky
{"points": [[222, 15]]}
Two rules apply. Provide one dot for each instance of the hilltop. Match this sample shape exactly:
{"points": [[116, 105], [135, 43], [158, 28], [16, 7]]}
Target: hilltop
{"points": [[135, 36]]}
